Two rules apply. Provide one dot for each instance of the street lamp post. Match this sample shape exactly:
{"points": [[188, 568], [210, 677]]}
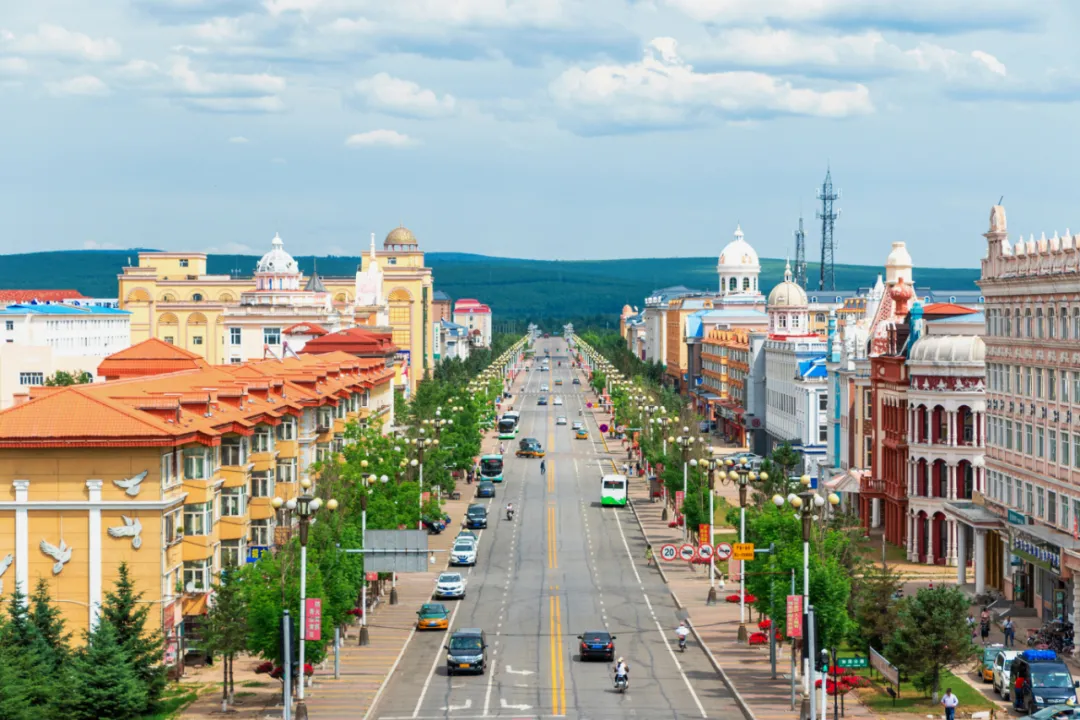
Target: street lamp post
{"points": [[742, 474], [806, 504], [305, 506]]}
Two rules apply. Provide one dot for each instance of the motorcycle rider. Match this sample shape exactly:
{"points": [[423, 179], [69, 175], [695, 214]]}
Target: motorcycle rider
{"points": [[509, 511], [682, 631], [622, 670]]}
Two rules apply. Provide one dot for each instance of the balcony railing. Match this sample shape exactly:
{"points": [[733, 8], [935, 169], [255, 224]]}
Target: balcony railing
{"points": [[871, 485]]}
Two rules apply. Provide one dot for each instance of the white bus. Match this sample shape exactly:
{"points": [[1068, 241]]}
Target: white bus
{"points": [[613, 490]]}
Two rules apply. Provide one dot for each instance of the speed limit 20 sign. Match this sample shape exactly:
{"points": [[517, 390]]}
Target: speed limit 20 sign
{"points": [[669, 552]]}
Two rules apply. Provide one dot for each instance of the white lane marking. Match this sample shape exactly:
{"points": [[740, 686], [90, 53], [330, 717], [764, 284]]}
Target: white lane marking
{"points": [[663, 635], [512, 671], [491, 681], [506, 706], [452, 708]]}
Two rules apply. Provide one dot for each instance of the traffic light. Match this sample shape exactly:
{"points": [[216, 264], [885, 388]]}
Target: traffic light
{"points": [[823, 661]]}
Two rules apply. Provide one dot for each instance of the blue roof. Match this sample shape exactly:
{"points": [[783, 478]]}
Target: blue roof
{"points": [[58, 309], [440, 295], [810, 369]]}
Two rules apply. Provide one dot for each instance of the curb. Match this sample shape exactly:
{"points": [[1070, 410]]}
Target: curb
{"points": [[743, 707]]}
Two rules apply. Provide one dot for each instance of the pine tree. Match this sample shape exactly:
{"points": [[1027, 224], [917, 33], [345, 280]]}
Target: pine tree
{"points": [[15, 683], [226, 627], [100, 681], [29, 655], [875, 606], [49, 623], [125, 612], [931, 635]]}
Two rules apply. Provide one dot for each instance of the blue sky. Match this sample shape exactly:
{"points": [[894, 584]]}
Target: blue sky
{"points": [[535, 128]]}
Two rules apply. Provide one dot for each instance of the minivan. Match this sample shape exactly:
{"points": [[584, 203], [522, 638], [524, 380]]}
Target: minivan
{"points": [[466, 652], [1044, 680]]}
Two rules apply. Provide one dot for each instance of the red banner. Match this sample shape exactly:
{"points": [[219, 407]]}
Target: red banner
{"points": [[794, 616], [678, 501], [703, 534], [313, 619]]}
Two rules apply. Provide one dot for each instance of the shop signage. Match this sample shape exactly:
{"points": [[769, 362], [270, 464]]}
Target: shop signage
{"points": [[1045, 556], [794, 616], [1017, 518], [743, 552], [313, 619]]}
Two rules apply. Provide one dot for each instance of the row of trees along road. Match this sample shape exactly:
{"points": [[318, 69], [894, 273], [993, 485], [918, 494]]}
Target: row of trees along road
{"points": [[854, 596]]}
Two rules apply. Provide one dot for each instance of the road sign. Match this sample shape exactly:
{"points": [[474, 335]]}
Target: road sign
{"points": [[603, 427], [703, 534], [743, 552], [794, 616], [372, 576], [588, 404], [704, 551], [687, 552], [669, 552], [723, 551], [313, 619], [859, 661]]}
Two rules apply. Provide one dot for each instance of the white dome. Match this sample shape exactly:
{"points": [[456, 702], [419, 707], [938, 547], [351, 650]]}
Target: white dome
{"points": [[738, 255], [787, 294], [949, 349], [277, 260]]}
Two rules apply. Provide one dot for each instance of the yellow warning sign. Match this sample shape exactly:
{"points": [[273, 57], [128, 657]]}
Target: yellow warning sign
{"points": [[742, 551]]}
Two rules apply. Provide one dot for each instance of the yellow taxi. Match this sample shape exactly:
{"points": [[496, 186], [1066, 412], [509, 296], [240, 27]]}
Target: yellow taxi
{"points": [[433, 616], [558, 382], [581, 434]]}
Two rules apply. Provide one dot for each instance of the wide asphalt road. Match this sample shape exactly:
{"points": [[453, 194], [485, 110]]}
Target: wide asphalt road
{"points": [[562, 567]]}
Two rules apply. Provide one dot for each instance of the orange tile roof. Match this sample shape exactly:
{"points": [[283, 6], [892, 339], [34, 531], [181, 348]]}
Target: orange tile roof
{"points": [[306, 328], [174, 408], [944, 308], [150, 357], [17, 296]]}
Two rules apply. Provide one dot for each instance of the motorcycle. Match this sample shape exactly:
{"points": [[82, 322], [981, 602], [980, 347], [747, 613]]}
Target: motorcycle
{"points": [[682, 643], [622, 681], [509, 514]]}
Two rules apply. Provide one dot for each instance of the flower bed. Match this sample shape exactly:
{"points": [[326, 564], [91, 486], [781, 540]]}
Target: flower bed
{"points": [[758, 638], [735, 598], [765, 624]]}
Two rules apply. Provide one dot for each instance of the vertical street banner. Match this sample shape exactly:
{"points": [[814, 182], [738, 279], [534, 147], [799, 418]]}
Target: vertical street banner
{"points": [[703, 534], [794, 616], [313, 619], [678, 501]]}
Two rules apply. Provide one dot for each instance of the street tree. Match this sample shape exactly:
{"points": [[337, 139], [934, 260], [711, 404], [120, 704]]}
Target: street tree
{"points": [[931, 634], [101, 682], [226, 628], [126, 612], [49, 623], [876, 610], [62, 378]]}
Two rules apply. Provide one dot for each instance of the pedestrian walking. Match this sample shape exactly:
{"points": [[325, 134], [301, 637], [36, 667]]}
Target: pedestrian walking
{"points": [[950, 702], [1010, 632], [648, 555], [984, 630]]}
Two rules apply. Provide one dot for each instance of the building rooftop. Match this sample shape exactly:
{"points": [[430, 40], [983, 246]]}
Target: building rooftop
{"points": [[61, 309], [150, 357], [17, 296], [440, 296], [358, 341]]}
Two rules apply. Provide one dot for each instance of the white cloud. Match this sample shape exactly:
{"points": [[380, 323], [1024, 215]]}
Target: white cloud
{"points": [[266, 104], [223, 29], [664, 91], [137, 70], [850, 54], [13, 66], [459, 13], [226, 92], [80, 85], [57, 41], [402, 97], [373, 138], [238, 140]]}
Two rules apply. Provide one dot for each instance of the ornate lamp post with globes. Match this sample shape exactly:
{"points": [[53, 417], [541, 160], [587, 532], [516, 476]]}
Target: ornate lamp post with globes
{"points": [[305, 506], [741, 474]]}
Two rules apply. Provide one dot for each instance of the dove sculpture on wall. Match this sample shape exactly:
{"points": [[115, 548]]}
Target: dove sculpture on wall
{"points": [[131, 528], [62, 554], [132, 484], [5, 563]]}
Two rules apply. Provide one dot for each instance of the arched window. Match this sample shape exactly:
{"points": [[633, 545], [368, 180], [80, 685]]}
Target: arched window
{"points": [[1008, 322], [197, 297], [733, 284], [1064, 323], [745, 284], [1027, 323], [755, 284], [795, 321], [1038, 322], [783, 321], [1076, 323]]}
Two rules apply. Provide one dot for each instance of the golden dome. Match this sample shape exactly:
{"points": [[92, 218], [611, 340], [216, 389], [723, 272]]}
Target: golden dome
{"points": [[400, 235]]}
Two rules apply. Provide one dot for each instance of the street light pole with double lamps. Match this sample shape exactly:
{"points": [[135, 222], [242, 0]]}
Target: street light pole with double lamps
{"points": [[806, 504], [742, 474], [305, 506]]}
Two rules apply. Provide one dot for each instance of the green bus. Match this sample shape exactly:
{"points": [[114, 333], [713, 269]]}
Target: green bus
{"points": [[613, 490], [491, 468], [508, 425]]}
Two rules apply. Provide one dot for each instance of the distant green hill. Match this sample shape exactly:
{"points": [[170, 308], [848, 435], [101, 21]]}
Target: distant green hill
{"points": [[515, 289]]}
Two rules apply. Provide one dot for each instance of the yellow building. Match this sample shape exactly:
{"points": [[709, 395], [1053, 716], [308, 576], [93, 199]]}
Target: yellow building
{"points": [[171, 297], [170, 468]]}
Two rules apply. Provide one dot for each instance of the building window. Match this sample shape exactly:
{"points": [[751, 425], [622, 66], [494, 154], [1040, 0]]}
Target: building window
{"points": [[1065, 449], [263, 439], [169, 339], [286, 471], [233, 451], [183, 262], [1064, 386], [234, 336], [271, 336], [196, 339], [869, 413], [262, 484], [1027, 382], [1051, 507], [391, 261], [235, 361], [1064, 325], [823, 402], [1038, 383], [262, 532], [232, 553], [174, 526], [1063, 518], [1040, 496], [31, 378], [1040, 443], [198, 519], [1038, 322], [287, 429], [232, 502], [196, 466], [9, 324], [170, 473], [1052, 445], [1027, 439], [1076, 450], [197, 297], [1029, 503], [823, 433], [1008, 491], [196, 576]]}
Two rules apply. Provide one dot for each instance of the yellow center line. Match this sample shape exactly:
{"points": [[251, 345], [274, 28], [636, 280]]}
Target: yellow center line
{"points": [[554, 654], [559, 645]]}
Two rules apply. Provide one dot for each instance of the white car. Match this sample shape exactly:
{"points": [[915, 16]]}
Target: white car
{"points": [[558, 400], [1002, 672], [561, 420], [464, 553], [544, 388], [450, 585], [578, 425]]}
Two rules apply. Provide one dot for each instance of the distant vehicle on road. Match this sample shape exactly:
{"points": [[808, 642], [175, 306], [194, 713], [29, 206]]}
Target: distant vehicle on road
{"points": [[491, 468], [1002, 672], [450, 585], [466, 652], [485, 490], [508, 426], [542, 400], [613, 490], [557, 380], [561, 420], [581, 434], [432, 616], [476, 517], [558, 400], [530, 448], [577, 425], [544, 388], [464, 553], [597, 644], [575, 381]]}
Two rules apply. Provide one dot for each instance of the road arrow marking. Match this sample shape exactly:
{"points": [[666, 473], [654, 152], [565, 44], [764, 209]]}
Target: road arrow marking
{"points": [[518, 672], [506, 706], [452, 708]]}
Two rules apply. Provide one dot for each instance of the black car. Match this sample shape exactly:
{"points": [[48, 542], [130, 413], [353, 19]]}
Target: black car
{"points": [[542, 400], [576, 381], [1044, 680], [485, 490], [466, 652], [476, 516], [597, 644]]}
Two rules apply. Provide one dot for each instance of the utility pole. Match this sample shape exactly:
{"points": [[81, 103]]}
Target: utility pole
{"points": [[828, 217], [800, 256]]}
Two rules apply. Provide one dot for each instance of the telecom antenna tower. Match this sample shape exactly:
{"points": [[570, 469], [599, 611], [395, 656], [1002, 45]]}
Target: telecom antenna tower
{"points": [[800, 256], [828, 217]]}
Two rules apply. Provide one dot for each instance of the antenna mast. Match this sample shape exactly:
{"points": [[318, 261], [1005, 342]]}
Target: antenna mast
{"points": [[800, 256], [828, 217]]}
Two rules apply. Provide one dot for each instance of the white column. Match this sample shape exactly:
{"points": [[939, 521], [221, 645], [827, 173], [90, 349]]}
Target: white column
{"points": [[950, 474], [875, 513], [22, 537], [961, 556], [980, 561], [94, 551], [953, 428], [911, 537], [930, 525], [950, 555]]}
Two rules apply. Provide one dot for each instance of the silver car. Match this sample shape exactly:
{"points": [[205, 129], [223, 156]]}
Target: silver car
{"points": [[1002, 673], [561, 420], [450, 585]]}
